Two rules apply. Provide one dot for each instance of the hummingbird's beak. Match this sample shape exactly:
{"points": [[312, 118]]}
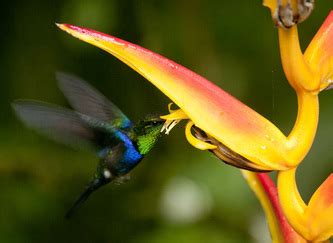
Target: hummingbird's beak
{"points": [[92, 186]]}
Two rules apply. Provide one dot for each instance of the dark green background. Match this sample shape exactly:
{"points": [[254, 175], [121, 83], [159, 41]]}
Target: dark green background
{"points": [[232, 43]]}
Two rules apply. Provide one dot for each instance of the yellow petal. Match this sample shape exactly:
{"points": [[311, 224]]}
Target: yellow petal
{"points": [[199, 144], [175, 115]]}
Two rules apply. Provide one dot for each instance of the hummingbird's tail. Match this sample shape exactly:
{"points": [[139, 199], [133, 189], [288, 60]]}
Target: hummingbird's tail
{"points": [[92, 186]]}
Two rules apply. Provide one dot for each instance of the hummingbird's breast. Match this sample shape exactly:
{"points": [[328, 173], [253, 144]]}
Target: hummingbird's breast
{"points": [[131, 156]]}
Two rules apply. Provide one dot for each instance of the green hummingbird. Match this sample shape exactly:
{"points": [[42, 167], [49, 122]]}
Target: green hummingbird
{"points": [[96, 122]]}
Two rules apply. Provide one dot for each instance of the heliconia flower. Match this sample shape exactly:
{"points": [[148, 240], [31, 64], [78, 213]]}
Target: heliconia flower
{"points": [[287, 13], [236, 127], [266, 191], [313, 221]]}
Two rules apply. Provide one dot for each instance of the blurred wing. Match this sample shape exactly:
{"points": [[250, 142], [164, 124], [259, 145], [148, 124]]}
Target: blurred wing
{"points": [[61, 125], [87, 100], [115, 155]]}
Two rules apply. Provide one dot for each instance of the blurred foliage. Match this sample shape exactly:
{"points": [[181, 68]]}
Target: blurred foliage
{"points": [[232, 43]]}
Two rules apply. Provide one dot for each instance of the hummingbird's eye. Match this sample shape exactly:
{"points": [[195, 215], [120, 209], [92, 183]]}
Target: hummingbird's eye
{"points": [[154, 122], [149, 124]]}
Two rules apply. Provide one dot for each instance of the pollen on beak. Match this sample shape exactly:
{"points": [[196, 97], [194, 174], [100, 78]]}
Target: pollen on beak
{"points": [[172, 119]]}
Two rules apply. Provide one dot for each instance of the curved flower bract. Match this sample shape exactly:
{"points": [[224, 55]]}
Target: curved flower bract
{"points": [[209, 107], [313, 221], [313, 71], [320, 211], [319, 53]]}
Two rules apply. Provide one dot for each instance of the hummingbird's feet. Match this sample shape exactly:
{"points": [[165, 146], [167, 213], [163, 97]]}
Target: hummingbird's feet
{"points": [[288, 14], [122, 179]]}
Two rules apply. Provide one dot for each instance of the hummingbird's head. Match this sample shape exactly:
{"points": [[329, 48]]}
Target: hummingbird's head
{"points": [[147, 132]]}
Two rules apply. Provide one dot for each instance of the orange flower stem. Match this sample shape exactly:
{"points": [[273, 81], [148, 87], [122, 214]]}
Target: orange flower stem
{"points": [[306, 85], [291, 201], [302, 135]]}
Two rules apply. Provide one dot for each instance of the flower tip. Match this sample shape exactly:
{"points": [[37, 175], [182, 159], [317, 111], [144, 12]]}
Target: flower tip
{"points": [[60, 26], [66, 27]]}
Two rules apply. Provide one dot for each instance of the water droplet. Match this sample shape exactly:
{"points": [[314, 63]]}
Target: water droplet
{"points": [[263, 147], [173, 66], [269, 138]]}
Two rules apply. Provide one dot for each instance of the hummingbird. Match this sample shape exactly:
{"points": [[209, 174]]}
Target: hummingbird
{"points": [[97, 123]]}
